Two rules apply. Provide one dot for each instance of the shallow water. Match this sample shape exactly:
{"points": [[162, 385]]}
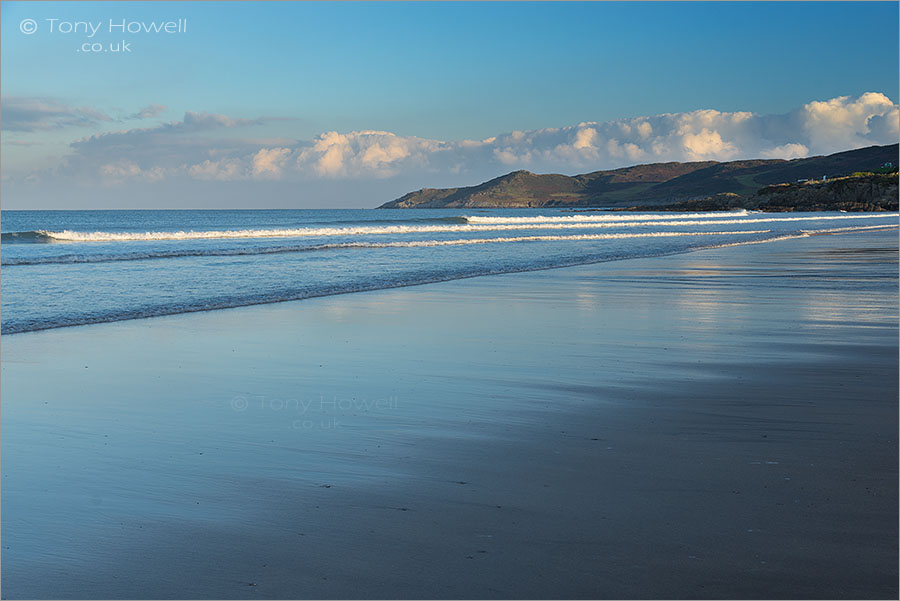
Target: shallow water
{"points": [[63, 268]]}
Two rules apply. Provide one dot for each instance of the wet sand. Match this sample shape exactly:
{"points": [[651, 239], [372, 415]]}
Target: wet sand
{"points": [[720, 424]]}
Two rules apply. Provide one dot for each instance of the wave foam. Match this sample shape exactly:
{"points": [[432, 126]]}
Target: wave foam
{"points": [[14, 327], [550, 223], [175, 254], [590, 218]]}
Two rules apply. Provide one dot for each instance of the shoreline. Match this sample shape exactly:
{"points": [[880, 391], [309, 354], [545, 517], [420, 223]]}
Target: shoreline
{"points": [[718, 423], [185, 311]]}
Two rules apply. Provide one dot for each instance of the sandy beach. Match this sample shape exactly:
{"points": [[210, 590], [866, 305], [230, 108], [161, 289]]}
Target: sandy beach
{"points": [[718, 424]]}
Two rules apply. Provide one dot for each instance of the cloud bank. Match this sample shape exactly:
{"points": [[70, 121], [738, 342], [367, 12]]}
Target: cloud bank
{"points": [[27, 114], [199, 147]]}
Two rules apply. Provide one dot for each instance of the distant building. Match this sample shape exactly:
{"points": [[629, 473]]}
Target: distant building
{"points": [[888, 165]]}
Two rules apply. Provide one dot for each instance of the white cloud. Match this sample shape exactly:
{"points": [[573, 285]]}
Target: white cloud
{"points": [[187, 148], [785, 151], [844, 120], [633, 151], [707, 144], [222, 170], [377, 154], [269, 161], [644, 129], [585, 138]]}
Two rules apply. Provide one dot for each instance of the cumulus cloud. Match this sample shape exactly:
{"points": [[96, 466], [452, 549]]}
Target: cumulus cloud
{"points": [[223, 170], [785, 151], [378, 154], [29, 114], [835, 125], [584, 139], [268, 162], [186, 148], [844, 120], [707, 144]]}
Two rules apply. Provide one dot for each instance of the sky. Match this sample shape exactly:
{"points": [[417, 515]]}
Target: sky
{"points": [[346, 105]]}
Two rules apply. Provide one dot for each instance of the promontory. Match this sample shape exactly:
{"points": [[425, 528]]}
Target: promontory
{"points": [[864, 179]]}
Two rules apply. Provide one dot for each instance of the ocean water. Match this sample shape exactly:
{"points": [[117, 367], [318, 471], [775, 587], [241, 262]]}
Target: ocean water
{"points": [[67, 268]]}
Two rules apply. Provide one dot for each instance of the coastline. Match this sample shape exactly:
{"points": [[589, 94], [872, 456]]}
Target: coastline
{"points": [[720, 423]]}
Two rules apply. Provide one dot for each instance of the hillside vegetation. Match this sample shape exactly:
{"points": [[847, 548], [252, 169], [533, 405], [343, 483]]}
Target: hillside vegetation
{"points": [[852, 183]]}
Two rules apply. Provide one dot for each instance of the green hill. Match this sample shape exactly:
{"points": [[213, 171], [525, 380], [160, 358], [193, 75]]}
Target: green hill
{"points": [[650, 185]]}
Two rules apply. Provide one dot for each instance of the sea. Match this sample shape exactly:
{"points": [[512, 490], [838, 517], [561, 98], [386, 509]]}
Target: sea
{"points": [[70, 268]]}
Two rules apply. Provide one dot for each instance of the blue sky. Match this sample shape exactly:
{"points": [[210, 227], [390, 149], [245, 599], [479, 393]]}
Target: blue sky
{"points": [[279, 75]]}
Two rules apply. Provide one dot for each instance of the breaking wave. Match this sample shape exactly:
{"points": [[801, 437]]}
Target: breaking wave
{"points": [[481, 224], [603, 217], [164, 254]]}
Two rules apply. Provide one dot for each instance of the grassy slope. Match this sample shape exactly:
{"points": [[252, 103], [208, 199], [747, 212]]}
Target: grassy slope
{"points": [[647, 185]]}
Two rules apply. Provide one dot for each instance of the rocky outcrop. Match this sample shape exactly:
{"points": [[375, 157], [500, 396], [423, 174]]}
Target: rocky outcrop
{"points": [[863, 192]]}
